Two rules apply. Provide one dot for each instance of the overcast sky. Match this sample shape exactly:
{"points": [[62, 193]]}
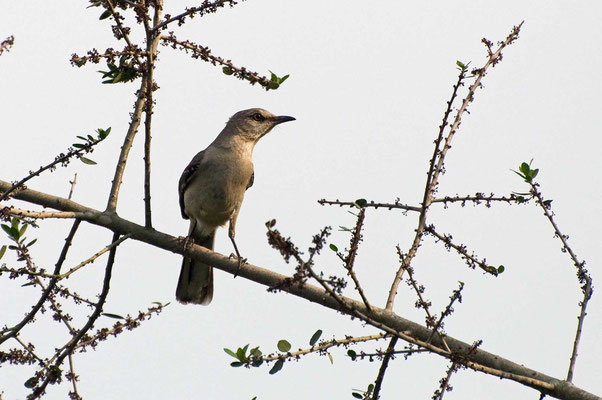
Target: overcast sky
{"points": [[368, 85]]}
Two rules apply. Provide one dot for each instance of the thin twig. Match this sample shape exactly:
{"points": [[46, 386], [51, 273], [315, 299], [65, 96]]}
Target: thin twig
{"points": [[128, 141], [383, 367], [12, 332], [471, 260], [582, 274], [372, 204], [204, 53], [58, 360], [436, 162], [7, 43], [73, 182], [356, 237], [325, 346], [206, 8], [152, 42]]}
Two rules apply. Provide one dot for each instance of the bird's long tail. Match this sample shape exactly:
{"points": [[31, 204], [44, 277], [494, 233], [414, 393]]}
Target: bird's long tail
{"points": [[195, 284]]}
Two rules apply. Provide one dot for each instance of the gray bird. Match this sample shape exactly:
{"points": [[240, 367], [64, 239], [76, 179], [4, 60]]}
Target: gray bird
{"points": [[211, 191]]}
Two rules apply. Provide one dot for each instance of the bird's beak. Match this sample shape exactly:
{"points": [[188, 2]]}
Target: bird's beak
{"points": [[283, 118]]}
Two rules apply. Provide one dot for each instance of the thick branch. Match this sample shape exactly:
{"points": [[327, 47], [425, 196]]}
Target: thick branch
{"points": [[481, 360]]}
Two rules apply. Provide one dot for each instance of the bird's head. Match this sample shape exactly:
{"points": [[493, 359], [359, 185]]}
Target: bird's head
{"points": [[254, 123]]}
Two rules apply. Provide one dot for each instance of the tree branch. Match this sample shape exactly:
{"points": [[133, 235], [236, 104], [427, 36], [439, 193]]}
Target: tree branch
{"points": [[410, 331]]}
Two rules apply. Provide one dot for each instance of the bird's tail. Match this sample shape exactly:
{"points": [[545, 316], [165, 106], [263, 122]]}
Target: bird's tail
{"points": [[195, 284]]}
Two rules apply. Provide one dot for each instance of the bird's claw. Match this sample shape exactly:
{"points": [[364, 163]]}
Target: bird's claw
{"points": [[241, 261]]}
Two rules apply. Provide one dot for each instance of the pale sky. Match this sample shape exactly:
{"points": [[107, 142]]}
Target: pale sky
{"points": [[368, 85]]}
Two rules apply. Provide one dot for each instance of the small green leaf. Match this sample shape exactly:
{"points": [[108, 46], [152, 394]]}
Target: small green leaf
{"points": [[315, 337], [357, 395], [351, 353], [28, 284], [227, 70], [2, 251], [255, 352], [112, 315], [31, 382], [106, 14], [236, 364], [333, 247], [501, 269], [285, 77], [360, 203], [79, 145], [14, 222], [241, 353], [230, 352], [81, 137], [257, 363], [370, 387], [87, 161], [24, 227], [32, 242], [277, 366], [273, 85], [284, 346]]}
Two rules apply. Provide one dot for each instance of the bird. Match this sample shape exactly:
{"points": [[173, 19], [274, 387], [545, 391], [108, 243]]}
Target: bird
{"points": [[211, 190]]}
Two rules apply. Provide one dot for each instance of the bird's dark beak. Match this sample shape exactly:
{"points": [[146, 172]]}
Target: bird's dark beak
{"points": [[283, 118]]}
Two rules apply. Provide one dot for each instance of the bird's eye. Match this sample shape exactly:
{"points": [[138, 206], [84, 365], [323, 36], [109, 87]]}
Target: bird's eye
{"points": [[258, 117]]}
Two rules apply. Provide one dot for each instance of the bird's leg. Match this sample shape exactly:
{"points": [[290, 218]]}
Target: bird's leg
{"points": [[188, 239], [240, 259]]}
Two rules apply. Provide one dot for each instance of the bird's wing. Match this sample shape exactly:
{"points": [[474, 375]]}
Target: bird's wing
{"points": [[251, 180], [186, 177]]}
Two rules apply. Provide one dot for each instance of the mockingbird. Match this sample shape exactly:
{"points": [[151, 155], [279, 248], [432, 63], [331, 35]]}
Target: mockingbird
{"points": [[211, 191]]}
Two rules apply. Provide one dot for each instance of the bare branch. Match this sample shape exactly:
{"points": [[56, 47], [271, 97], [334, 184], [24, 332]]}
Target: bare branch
{"points": [[383, 319], [582, 274], [372, 204], [6, 44], [204, 53], [206, 8], [12, 332]]}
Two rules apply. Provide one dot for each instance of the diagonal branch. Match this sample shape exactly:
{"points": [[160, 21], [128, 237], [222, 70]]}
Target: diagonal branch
{"points": [[386, 320]]}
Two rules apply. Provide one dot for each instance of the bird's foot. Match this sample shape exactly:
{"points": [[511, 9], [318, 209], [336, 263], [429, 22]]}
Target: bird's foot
{"points": [[241, 261]]}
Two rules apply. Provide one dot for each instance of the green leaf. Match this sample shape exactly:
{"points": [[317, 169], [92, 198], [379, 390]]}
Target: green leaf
{"points": [[112, 315], [79, 145], [230, 352], [284, 346], [333, 247], [32, 242], [370, 387], [241, 353], [360, 203], [273, 85], [14, 222], [227, 70], [351, 353], [81, 137], [315, 337], [255, 352], [501, 269], [524, 168], [87, 161], [31, 382], [24, 228], [357, 395], [257, 363], [236, 364], [285, 77], [106, 14], [277, 366], [2, 251], [28, 284]]}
